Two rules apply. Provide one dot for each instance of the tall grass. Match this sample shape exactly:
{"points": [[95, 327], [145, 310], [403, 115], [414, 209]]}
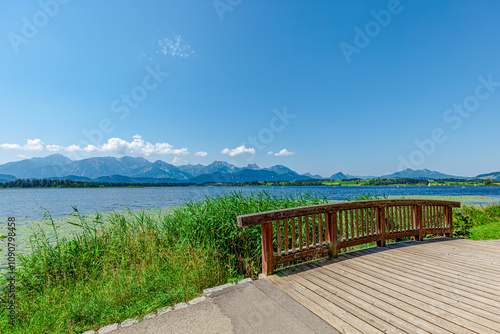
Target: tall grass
{"points": [[128, 264], [477, 222]]}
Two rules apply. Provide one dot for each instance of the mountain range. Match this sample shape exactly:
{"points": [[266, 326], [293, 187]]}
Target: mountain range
{"points": [[139, 170]]}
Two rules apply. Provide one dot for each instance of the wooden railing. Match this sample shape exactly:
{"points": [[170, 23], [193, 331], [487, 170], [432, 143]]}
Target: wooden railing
{"points": [[324, 229]]}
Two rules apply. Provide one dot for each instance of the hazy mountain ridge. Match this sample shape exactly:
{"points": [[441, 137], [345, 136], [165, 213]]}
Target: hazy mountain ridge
{"points": [[7, 178], [134, 170], [420, 174], [494, 176], [338, 176]]}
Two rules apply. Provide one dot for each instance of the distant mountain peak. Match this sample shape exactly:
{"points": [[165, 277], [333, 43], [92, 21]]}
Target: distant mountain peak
{"points": [[252, 166], [420, 174], [338, 176]]}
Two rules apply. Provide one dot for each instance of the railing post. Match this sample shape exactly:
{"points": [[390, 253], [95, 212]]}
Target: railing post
{"points": [[332, 234], [267, 248], [418, 221], [448, 219], [381, 226]]}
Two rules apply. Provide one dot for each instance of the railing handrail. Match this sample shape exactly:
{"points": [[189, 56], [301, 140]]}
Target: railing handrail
{"points": [[270, 216], [345, 224]]}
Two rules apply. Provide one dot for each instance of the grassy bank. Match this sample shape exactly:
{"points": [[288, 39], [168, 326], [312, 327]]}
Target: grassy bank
{"points": [[129, 264], [477, 222]]}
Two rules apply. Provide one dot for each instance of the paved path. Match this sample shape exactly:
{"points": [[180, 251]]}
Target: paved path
{"points": [[253, 307]]}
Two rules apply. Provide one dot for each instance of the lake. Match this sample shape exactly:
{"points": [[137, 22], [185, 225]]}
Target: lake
{"points": [[28, 203]]}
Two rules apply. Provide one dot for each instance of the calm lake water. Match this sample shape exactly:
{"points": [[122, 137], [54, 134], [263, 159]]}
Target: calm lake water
{"points": [[28, 203]]}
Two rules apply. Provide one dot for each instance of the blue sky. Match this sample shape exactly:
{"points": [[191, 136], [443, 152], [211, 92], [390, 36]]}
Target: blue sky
{"points": [[362, 87]]}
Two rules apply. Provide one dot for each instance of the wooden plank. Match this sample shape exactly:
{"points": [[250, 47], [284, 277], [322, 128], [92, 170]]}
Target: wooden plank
{"points": [[424, 217], [278, 236], [340, 225], [381, 226], [437, 307], [366, 222], [441, 280], [352, 235], [453, 284], [414, 218], [434, 271], [267, 248], [330, 318], [294, 240], [396, 283], [313, 230], [334, 233], [435, 231], [321, 251], [404, 227], [399, 219], [407, 218], [356, 224], [308, 244], [393, 218], [373, 227], [422, 281], [264, 217], [434, 218], [401, 301], [285, 234], [419, 222], [320, 229], [348, 317], [450, 221], [300, 233], [345, 303], [431, 217], [396, 235], [460, 246], [381, 302], [345, 244], [346, 223], [448, 265]]}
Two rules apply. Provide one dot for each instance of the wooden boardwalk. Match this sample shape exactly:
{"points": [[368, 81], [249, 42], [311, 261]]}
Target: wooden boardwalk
{"points": [[435, 286]]}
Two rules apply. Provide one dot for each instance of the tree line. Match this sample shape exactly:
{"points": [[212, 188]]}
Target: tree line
{"points": [[47, 183]]}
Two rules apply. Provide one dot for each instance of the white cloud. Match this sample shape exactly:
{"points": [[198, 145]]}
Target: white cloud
{"points": [[91, 148], [34, 145], [31, 145], [11, 146], [175, 47], [283, 153], [201, 154], [270, 153], [114, 145], [179, 161], [239, 150], [54, 148], [72, 148]]}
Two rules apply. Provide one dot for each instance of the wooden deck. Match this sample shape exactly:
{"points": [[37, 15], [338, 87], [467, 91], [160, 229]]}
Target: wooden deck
{"points": [[435, 286]]}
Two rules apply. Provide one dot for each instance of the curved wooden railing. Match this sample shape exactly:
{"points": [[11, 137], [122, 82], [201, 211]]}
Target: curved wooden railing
{"points": [[295, 233]]}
